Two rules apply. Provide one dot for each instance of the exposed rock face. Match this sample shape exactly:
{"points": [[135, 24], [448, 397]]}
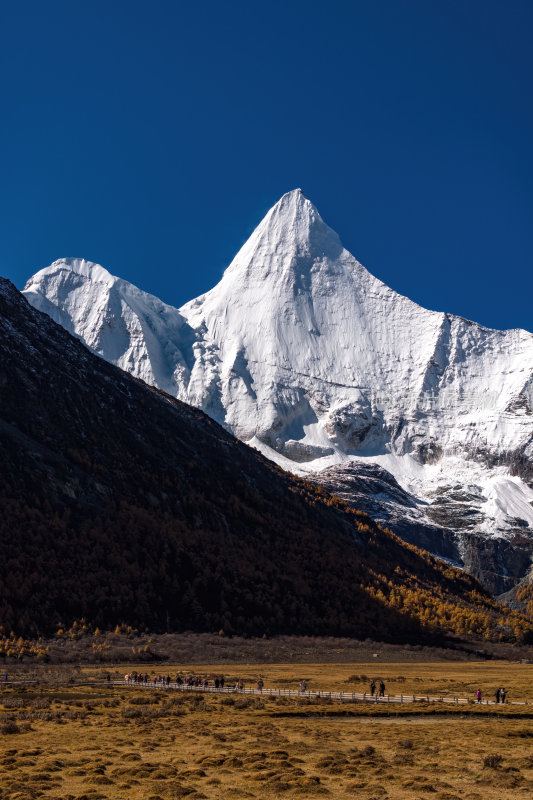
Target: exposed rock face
{"points": [[499, 563], [445, 526], [374, 490], [302, 353]]}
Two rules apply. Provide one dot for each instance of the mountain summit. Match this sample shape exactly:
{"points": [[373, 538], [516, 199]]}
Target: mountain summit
{"points": [[287, 241], [301, 352]]}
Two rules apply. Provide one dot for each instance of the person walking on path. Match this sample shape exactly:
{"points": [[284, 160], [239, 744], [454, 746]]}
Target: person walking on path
{"points": [[260, 684], [303, 686], [479, 696], [497, 694], [381, 689], [503, 695], [373, 688]]}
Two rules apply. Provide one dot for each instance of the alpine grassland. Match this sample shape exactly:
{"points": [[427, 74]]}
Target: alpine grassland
{"points": [[73, 735]]}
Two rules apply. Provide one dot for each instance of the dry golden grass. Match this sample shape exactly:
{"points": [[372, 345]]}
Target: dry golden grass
{"points": [[119, 743]]}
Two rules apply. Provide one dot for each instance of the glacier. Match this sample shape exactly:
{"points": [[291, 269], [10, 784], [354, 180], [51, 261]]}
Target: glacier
{"points": [[302, 353]]}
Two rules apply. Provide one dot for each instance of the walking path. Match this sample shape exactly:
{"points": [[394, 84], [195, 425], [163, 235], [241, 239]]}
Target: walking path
{"points": [[356, 697]]}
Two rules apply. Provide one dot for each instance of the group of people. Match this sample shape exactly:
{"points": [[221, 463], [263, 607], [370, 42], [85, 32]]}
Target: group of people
{"points": [[381, 688], [138, 677], [166, 680], [499, 695], [189, 680], [195, 681]]}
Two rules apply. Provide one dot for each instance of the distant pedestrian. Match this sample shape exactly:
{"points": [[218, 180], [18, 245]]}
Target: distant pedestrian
{"points": [[479, 696], [303, 686], [497, 695], [503, 695], [260, 684], [381, 689], [221, 681], [373, 688], [217, 683]]}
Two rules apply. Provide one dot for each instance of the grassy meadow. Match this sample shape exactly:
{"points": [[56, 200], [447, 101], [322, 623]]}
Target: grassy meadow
{"points": [[93, 742]]}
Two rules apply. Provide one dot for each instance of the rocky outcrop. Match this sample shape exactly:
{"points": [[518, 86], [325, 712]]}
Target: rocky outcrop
{"points": [[446, 526]]}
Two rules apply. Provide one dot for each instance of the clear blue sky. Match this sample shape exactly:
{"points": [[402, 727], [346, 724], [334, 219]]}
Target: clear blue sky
{"points": [[152, 137]]}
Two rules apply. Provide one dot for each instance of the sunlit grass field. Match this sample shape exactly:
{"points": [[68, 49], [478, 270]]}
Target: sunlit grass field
{"points": [[104, 743]]}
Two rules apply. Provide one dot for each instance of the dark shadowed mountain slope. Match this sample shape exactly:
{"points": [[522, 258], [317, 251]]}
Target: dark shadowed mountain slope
{"points": [[121, 504]]}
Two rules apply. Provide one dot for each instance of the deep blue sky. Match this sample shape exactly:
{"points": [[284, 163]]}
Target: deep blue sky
{"points": [[152, 137]]}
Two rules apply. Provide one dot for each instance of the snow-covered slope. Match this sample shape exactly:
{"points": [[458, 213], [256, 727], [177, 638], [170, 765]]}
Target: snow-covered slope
{"points": [[128, 327], [315, 356], [300, 351]]}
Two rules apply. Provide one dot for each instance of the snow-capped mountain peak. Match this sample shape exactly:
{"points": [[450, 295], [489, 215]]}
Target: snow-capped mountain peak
{"points": [[301, 352], [84, 268], [291, 232]]}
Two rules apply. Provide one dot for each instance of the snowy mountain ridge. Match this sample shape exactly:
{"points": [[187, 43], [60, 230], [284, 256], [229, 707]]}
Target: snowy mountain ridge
{"points": [[126, 326], [301, 352]]}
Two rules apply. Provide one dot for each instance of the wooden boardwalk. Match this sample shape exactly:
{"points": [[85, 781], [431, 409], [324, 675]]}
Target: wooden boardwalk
{"points": [[342, 697]]}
